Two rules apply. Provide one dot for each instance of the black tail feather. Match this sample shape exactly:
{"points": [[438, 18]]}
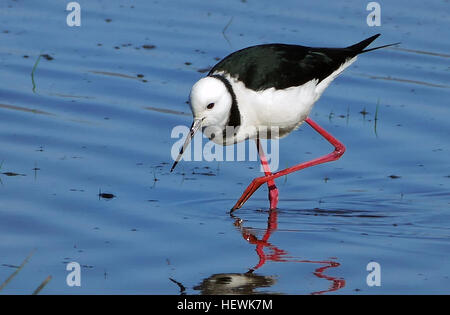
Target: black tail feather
{"points": [[363, 44], [359, 47]]}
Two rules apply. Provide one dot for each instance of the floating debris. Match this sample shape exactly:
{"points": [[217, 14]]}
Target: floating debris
{"points": [[47, 56], [74, 189], [204, 70], [203, 173], [364, 112], [106, 195], [13, 174]]}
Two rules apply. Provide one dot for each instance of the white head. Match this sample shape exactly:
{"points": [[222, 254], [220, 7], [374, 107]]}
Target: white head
{"points": [[211, 106], [211, 102]]}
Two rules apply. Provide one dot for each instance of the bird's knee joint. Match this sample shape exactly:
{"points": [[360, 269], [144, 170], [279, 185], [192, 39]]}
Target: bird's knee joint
{"points": [[339, 151]]}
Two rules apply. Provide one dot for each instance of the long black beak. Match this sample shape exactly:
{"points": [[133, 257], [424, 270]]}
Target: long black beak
{"points": [[194, 128]]}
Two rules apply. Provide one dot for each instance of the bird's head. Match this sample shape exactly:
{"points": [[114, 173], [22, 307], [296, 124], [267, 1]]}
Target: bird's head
{"points": [[210, 103]]}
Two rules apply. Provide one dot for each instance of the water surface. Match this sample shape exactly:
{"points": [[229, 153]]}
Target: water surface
{"points": [[95, 121]]}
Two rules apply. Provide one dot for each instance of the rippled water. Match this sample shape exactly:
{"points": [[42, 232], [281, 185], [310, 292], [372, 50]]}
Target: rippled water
{"points": [[86, 140]]}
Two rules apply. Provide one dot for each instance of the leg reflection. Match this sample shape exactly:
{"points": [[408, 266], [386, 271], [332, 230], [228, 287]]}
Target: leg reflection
{"points": [[279, 255]]}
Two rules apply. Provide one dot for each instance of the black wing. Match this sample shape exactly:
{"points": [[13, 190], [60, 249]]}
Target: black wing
{"points": [[282, 66]]}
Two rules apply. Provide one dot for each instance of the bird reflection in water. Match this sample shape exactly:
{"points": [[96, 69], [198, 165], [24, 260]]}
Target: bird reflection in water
{"points": [[250, 282], [279, 255], [235, 283]]}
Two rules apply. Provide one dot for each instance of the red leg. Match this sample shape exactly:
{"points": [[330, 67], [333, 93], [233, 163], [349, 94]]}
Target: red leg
{"points": [[273, 190], [339, 149]]}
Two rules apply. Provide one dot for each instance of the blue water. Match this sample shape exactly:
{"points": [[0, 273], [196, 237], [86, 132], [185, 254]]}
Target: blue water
{"points": [[97, 114]]}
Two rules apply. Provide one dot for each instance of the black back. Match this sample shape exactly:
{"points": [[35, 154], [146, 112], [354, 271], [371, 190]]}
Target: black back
{"points": [[282, 66]]}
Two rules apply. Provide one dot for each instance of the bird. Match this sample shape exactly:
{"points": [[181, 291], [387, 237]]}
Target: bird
{"points": [[267, 91]]}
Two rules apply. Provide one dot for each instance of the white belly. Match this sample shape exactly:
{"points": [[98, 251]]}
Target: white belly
{"points": [[274, 113]]}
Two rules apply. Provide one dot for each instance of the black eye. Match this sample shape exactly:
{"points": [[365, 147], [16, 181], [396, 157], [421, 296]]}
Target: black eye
{"points": [[210, 106]]}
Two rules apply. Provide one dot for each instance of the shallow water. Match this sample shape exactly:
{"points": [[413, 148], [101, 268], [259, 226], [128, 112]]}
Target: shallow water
{"points": [[96, 117]]}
